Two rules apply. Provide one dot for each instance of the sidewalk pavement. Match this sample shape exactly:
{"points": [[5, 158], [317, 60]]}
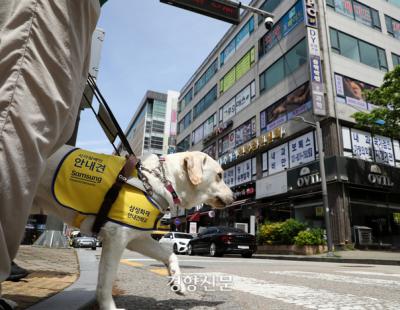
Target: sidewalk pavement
{"points": [[351, 257], [58, 279]]}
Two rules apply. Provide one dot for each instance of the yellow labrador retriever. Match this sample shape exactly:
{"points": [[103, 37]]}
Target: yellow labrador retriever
{"points": [[196, 179]]}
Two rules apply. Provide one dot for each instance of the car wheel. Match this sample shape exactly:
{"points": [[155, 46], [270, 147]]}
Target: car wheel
{"points": [[247, 255], [190, 250], [93, 247], [175, 249], [214, 251]]}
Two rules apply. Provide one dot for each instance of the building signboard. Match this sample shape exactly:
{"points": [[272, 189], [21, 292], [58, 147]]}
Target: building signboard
{"points": [[272, 185], [350, 91], [243, 172], [291, 105], [302, 149], [310, 9], [362, 144], [278, 158], [383, 150], [317, 84]]}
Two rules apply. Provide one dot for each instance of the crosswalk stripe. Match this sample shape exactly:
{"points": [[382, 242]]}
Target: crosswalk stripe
{"points": [[338, 278], [304, 296], [131, 263], [369, 273]]}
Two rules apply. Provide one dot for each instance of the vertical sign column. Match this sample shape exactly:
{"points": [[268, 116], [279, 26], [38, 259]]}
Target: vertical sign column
{"points": [[314, 55]]}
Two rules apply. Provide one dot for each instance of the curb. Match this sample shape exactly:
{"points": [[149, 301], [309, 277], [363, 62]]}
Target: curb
{"points": [[332, 260], [80, 294]]}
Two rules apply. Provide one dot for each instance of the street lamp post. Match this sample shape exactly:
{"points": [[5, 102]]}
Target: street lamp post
{"points": [[325, 202]]}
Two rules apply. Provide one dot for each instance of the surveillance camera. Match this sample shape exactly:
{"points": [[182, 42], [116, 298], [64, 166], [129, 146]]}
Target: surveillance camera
{"points": [[268, 23]]}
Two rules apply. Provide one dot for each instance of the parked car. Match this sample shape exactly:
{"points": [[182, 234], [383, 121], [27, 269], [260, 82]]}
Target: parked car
{"points": [[217, 241], [84, 242], [178, 241]]}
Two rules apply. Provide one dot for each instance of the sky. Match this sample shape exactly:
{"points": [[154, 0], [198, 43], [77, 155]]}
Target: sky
{"points": [[148, 46]]}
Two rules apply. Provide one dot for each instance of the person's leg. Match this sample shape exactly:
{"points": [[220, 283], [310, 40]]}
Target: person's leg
{"points": [[43, 64]]}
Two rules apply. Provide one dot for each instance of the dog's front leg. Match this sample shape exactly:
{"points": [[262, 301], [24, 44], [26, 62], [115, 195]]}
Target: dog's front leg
{"points": [[152, 248], [114, 241]]}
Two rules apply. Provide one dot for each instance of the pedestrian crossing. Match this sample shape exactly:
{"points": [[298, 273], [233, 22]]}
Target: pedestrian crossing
{"points": [[299, 288], [339, 278]]}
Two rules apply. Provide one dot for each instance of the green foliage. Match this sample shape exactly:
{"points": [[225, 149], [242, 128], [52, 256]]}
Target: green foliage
{"points": [[310, 237], [388, 95], [280, 232]]}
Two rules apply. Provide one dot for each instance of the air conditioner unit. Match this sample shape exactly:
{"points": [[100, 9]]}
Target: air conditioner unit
{"points": [[242, 226]]}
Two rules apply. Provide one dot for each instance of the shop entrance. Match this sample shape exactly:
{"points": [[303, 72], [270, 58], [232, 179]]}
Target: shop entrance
{"points": [[384, 220]]}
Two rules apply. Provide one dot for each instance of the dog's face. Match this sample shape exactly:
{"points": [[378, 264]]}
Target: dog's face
{"points": [[206, 181]]}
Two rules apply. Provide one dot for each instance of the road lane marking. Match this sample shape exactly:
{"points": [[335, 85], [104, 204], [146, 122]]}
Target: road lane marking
{"points": [[160, 271], [338, 278], [305, 296], [131, 263], [203, 261], [368, 273]]}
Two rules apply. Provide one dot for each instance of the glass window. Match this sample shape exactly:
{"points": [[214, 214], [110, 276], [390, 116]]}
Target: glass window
{"points": [[183, 145], [358, 50], [296, 57], [282, 28], [395, 2], [241, 36], [376, 22], [205, 102], [185, 100], [348, 46], [344, 7], [275, 74], [284, 66], [330, 3], [237, 71], [203, 80], [393, 27], [396, 60], [269, 6], [369, 55], [382, 59], [334, 40], [362, 14], [358, 11]]}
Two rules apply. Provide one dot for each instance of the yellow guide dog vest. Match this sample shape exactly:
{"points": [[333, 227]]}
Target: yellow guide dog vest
{"points": [[82, 180]]}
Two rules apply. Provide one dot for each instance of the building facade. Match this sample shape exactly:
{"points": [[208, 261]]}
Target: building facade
{"points": [[242, 104], [153, 126]]}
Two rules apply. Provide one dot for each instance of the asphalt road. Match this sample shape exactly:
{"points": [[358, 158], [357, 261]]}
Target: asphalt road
{"points": [[238, 283]]}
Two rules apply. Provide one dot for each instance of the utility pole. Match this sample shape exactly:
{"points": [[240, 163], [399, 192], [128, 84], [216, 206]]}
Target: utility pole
{"points": [[325, 202]]}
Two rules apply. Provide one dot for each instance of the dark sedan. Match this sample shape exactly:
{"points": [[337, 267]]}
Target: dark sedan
{"points": [[217, 241]]}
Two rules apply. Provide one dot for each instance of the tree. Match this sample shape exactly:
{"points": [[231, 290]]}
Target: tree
{"points": [[385, 119]]}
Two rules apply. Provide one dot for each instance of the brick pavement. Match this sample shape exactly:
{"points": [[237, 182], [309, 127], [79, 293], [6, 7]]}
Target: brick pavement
{"points": [[51, 271]]}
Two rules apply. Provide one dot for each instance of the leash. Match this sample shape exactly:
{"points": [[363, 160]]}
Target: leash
{"points": [[111, 128]]}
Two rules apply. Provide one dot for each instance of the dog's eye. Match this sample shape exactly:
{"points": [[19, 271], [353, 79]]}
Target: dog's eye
{"points": [[219, 176]]}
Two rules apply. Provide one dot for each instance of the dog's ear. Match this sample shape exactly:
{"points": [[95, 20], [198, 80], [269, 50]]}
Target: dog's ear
{"points": [[194, 167]]}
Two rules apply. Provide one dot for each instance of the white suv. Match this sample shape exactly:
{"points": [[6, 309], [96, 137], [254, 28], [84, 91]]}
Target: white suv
{"points": [[178, 241]]}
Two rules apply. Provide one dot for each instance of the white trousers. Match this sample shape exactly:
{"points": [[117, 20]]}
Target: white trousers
{"points": [[44, 59]]}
